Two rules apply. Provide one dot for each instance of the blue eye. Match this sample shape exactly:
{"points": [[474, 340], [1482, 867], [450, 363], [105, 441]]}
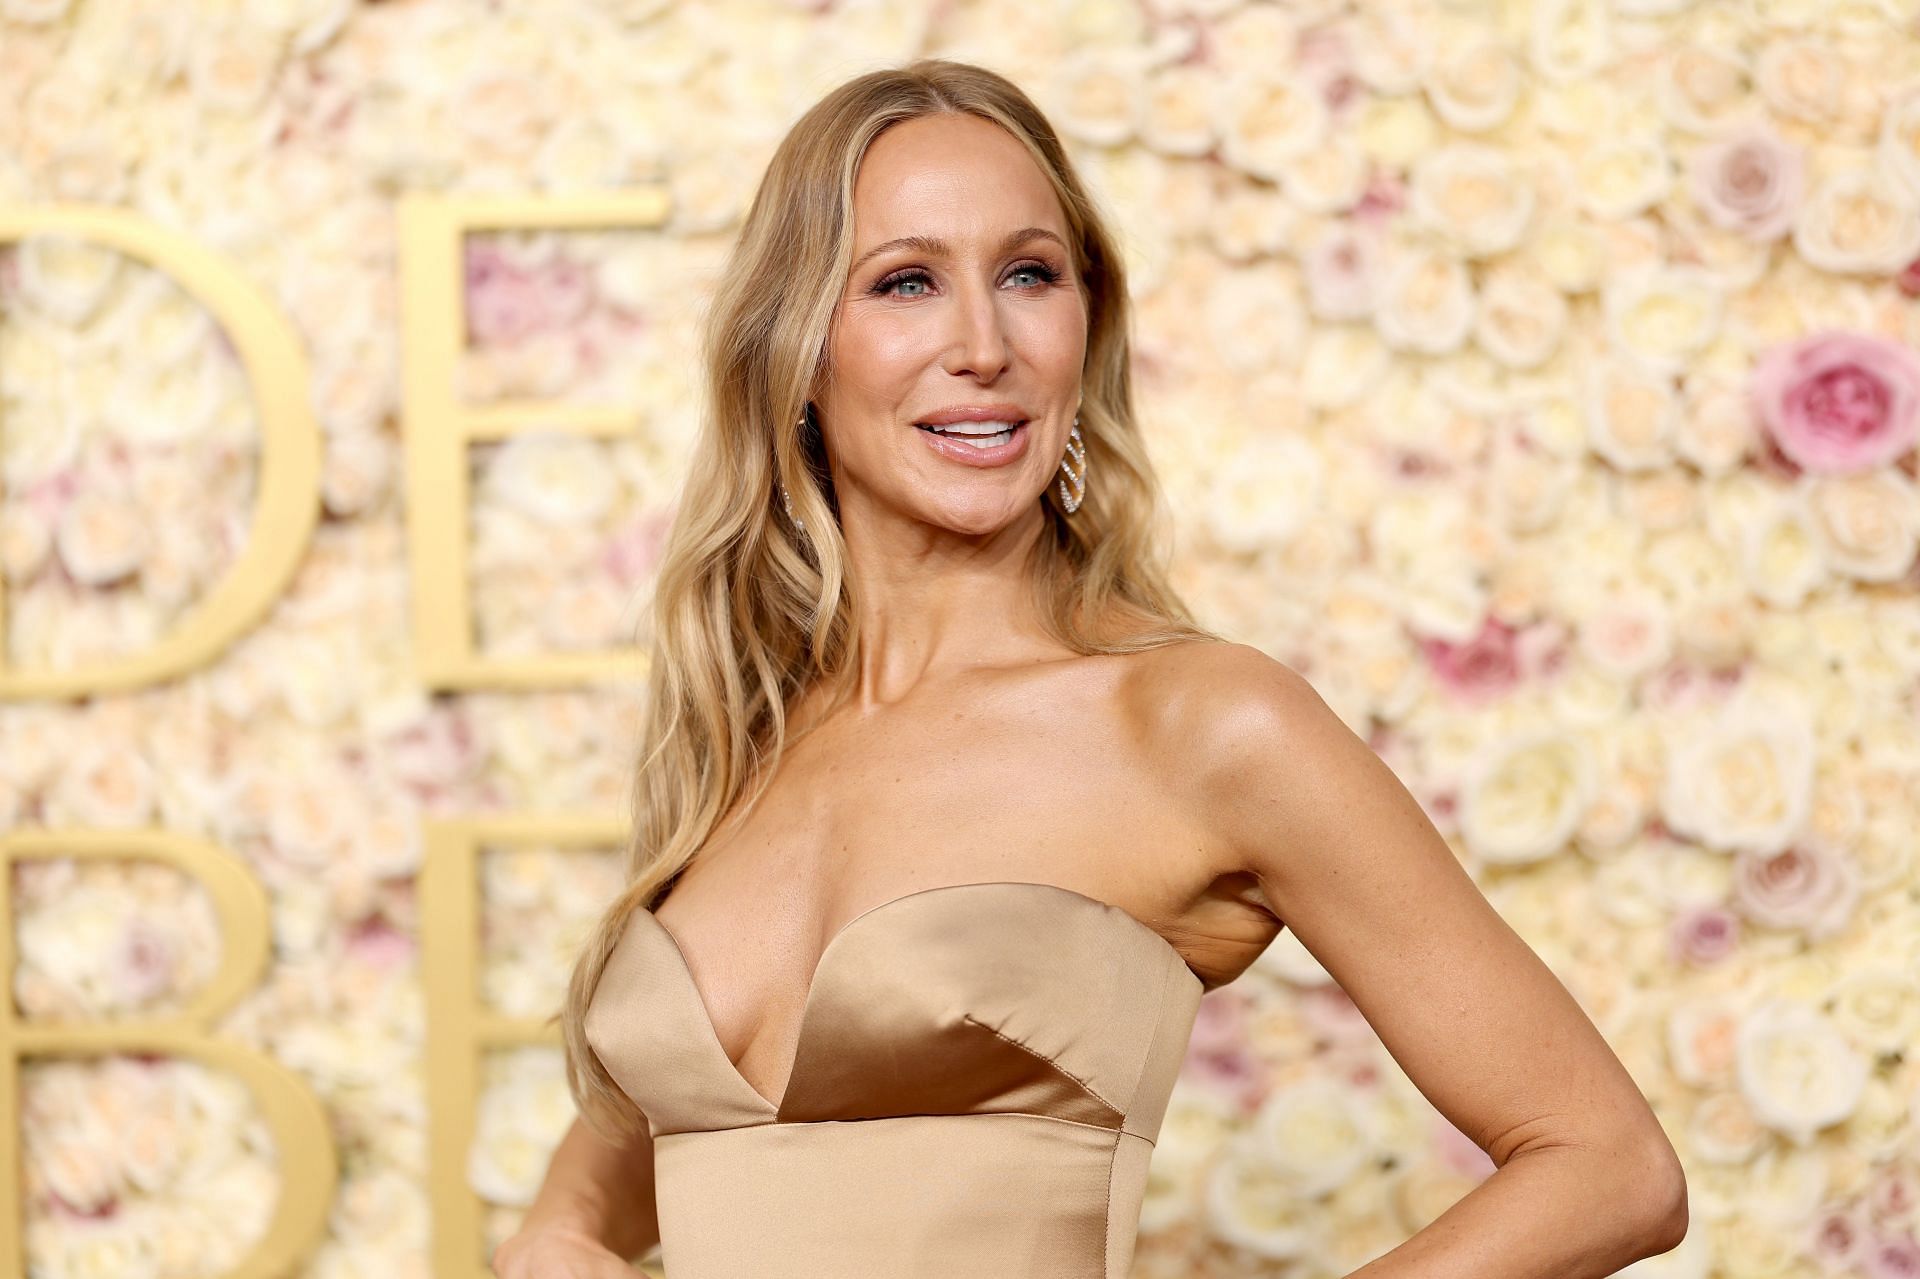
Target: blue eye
{"points": [[886, 285]]}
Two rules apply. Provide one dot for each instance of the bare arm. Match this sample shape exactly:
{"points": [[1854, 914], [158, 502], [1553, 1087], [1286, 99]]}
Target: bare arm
{"points": [[594, 1191], [1586, 1181]]}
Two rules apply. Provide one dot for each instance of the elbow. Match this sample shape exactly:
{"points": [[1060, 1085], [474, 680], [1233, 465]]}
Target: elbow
{"points": [[1664, 1183]]}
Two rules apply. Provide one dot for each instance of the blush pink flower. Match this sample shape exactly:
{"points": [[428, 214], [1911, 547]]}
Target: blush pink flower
{"points": [[1751, 182], [1481, 668], [1839, 401], [1705, 935], [1806, 887]]}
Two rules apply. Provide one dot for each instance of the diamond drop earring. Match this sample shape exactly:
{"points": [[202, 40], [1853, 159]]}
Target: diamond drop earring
{"points": [[1077, 450]]}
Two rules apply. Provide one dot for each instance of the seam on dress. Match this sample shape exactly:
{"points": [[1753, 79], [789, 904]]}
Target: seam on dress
{"points": [[1082, 1084]]}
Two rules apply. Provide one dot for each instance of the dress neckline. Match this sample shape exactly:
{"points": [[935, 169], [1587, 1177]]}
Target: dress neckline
{"points": [[775, 1108]]}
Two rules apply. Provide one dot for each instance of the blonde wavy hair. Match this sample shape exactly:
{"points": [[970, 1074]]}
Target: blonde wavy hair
{"points": [[747, 612]]}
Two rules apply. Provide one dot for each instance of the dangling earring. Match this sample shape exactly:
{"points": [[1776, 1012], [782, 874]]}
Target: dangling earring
{"points": [[1077, 450], [786, 498]]}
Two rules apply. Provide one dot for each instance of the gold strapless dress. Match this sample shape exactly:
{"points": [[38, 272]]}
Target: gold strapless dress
{"points": [[981, 1071]]}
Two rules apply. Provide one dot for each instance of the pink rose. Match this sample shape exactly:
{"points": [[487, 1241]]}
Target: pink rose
{"points": [[1805, 887], [1481, 668], [1893, 1256], [1705, 936], [1837, 1237], [1750, 182], [1839, 401]]}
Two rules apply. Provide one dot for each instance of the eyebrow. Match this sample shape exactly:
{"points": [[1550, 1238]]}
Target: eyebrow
{"points": [[935, 247]]}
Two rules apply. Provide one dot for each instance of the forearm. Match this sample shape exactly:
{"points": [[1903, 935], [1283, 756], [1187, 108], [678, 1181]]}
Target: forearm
{"points": [[601, 1190], [1556, 1212]]}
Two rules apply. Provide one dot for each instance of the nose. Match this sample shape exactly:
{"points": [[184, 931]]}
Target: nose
{"points": [[979, 343]]}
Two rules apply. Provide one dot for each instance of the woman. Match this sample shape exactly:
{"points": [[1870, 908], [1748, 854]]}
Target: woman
{"points": [[979, 812]]}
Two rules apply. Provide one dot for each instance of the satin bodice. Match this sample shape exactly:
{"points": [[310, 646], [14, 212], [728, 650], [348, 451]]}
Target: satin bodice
{"points": [[980, 1073]]}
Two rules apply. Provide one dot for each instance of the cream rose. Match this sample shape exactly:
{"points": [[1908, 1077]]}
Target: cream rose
{"points": [[1664, 318], [1632, 415], [1095, 96], [1177, 115], [1868, 522], [1522, 318], [1265, 122], [1476, 88], [1878, 1008], [1624, 177], [1802, 78], [1526, 800], [1425, 302], [1706, 88], [1796, 1071], [1743, 779], [1782, 556], [1317, 1131], [1474, 195], [1250, 1203], [1723, 1129], [1860, 221], [1264, 491]]}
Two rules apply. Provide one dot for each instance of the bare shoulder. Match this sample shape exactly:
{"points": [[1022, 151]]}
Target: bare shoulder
{"points": [[1221, 718]]}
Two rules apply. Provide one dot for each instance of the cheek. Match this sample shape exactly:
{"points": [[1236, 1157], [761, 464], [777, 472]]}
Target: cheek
{"points": [[873, 347]]}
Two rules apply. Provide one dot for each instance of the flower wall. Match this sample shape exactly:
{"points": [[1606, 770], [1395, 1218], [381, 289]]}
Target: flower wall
{"points": [[1538, 379]]}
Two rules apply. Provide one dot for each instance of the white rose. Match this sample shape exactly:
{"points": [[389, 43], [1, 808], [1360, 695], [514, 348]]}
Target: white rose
{"points": [[1264, 491], [1878, 1008], [1425, 302], [1522, 318], [1177, 113], [1473, 194], [1095, 95], [1250, 220], [1624, 177], [1329, 179], [232, 64], [1744, 778], [1254, 316], [1265, 121], [100, 538], [1706, 88], [1254, 39], [1317, 1130], [1700, 1037], [1715, 432], [1477, 88], [1664, 318], [102, 784], [561, 479], [1868, 522], [1341, 267], [1632, 415], [1796, 1071], [1570, 39], [1723, 1130], [1782, 555], [1391, 50], [1631, 635], [1570, 253], [65, 277], [1802, 78], [1899, 147], [1860, 221], [1395, 132], [1254, 1205], [1525, 800]]}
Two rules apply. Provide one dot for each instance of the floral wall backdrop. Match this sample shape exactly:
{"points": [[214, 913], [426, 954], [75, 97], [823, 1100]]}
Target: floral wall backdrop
{"points": [[1538, 379]]}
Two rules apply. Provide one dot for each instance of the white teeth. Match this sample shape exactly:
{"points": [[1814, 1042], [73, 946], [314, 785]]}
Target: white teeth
{"points": [[972, 428]]}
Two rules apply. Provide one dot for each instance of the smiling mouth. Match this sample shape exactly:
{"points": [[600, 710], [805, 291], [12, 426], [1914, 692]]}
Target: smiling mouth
{"points": [[980, 434]]}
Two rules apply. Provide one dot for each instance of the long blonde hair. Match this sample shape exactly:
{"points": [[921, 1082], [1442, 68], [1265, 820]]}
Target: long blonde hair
{"points": [[746, 611]]}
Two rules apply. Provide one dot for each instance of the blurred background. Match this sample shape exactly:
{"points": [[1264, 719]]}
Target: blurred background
{"points": [[1538, 379]]}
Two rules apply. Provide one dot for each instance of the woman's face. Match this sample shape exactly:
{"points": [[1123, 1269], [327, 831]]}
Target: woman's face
{"points": [[991, 316]]}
